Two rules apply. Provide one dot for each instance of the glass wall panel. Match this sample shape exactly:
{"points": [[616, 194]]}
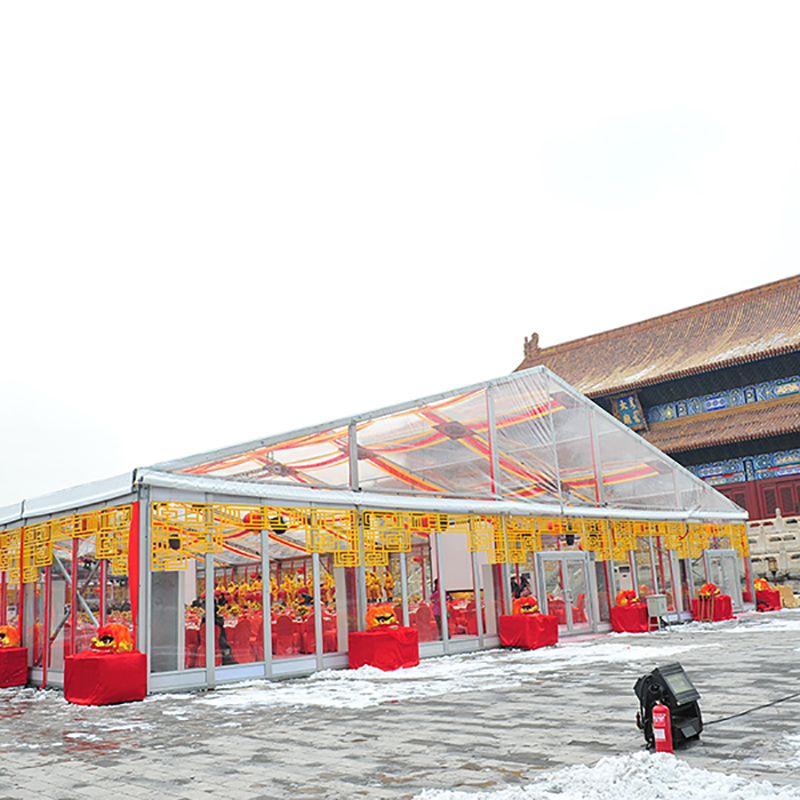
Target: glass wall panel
{"points": [[424, 603], [36, 593], [578, 590], [605, 594], [663, 564], [9, 610], [338, 600], [239, 615], [523, 578], [59, 623], [644, 569], [292, 591], [384, 585], [491, 591], [462, 615], [88, 589], [177, 624]]}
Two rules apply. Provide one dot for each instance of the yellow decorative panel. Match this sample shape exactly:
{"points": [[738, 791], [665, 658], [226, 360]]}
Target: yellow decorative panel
{"points": [[10, 553], [180, 531], [739, 540], [597, 538], [522, 537]]}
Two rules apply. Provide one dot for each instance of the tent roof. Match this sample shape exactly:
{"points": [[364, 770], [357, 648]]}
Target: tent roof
{"points": [[527, 439]]}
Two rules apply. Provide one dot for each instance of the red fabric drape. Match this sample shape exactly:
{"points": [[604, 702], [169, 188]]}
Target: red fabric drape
{"points": [[715, 609], [92, 679], [630, 619], [768, 600], [13, 666], [384, 648], [528, 631]]}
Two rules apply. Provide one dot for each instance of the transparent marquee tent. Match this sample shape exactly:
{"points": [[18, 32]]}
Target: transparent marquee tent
{"points": [[444, 508]]}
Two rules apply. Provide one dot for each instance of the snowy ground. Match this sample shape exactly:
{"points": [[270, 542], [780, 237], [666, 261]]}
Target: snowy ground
{"points": [[641, 776], [496, 725]]}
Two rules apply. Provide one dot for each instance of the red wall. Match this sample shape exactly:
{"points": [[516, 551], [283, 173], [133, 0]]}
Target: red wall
{"points": [[761, 498]]}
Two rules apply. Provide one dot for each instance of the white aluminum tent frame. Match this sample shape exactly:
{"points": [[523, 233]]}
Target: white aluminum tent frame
{"points": [[556, 429]]}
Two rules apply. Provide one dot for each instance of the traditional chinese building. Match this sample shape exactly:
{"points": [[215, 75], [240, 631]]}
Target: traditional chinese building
{"points": [[716, 386]]}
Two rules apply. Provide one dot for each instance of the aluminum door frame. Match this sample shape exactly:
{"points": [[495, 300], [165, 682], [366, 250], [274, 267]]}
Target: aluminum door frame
{"points": [[575, 556]]}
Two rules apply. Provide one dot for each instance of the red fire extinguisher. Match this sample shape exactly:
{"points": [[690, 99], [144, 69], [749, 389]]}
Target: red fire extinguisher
{"points": [[662, 728]]}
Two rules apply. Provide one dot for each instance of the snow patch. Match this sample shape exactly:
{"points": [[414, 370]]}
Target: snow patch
{"points": [[640, 776], [488, 670]]}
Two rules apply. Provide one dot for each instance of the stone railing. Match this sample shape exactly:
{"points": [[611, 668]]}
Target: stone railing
{"points": [[775, 547]]}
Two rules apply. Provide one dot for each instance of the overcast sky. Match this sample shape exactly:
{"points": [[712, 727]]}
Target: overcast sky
{"points": [[223, 221]]}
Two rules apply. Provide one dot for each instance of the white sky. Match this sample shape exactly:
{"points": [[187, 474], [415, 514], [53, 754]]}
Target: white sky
{"points": [[223, 221]]}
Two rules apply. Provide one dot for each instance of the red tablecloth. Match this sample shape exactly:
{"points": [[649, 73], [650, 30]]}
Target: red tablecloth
{"points": [[528, 631], [13, 666], [385, 648], [99, 679], [714, 610], [768, 600], [630, 619]]}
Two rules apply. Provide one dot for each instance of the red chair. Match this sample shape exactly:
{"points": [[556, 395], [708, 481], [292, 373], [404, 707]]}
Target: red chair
{"points": [[579, 612], [471, 619], [284, 636], [427, 630], [202, 647], [257, 639], [329, 634], [240, 641], [191, 643], [308, 639]]}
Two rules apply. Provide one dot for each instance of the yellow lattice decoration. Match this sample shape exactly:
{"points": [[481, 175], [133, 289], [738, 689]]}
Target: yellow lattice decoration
{"points": [[739, 540], [674, 535], [385, 532], [180, 531], [10, 554], [623, 538], [22, 555], [485, 534], [597, 538], [522, 537], [334, 531], [697, 539]]}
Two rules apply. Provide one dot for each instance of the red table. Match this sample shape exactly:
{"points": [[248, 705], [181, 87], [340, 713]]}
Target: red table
{"points": [[528, 631], [768, 600], [630, 619], [384, 647], [100, 679], [13, 666], [715, 610]]}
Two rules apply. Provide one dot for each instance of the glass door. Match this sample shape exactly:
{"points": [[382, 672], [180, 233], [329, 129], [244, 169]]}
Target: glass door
{"points": [[722, 569], [565, 589]]}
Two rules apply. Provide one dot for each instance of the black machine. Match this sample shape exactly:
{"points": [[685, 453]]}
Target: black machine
{"points": [[671, 686]]}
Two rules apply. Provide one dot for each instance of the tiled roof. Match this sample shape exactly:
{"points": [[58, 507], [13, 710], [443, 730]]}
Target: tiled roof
{"points": [[737, 424], [746, 326]]}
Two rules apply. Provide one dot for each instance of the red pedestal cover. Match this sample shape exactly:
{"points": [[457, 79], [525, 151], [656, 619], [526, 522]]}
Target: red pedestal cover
{"points": [[385, 648], [528, 631], [630, 619], [719, 607], [99, 679], [13, 666], [768, 599]]}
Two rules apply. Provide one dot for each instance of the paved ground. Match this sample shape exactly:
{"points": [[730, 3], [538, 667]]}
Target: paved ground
{"points": [[579, 710]]}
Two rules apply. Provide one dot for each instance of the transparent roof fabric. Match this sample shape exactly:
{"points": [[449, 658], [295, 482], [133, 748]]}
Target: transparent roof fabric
{"points": [[525, 437]]}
